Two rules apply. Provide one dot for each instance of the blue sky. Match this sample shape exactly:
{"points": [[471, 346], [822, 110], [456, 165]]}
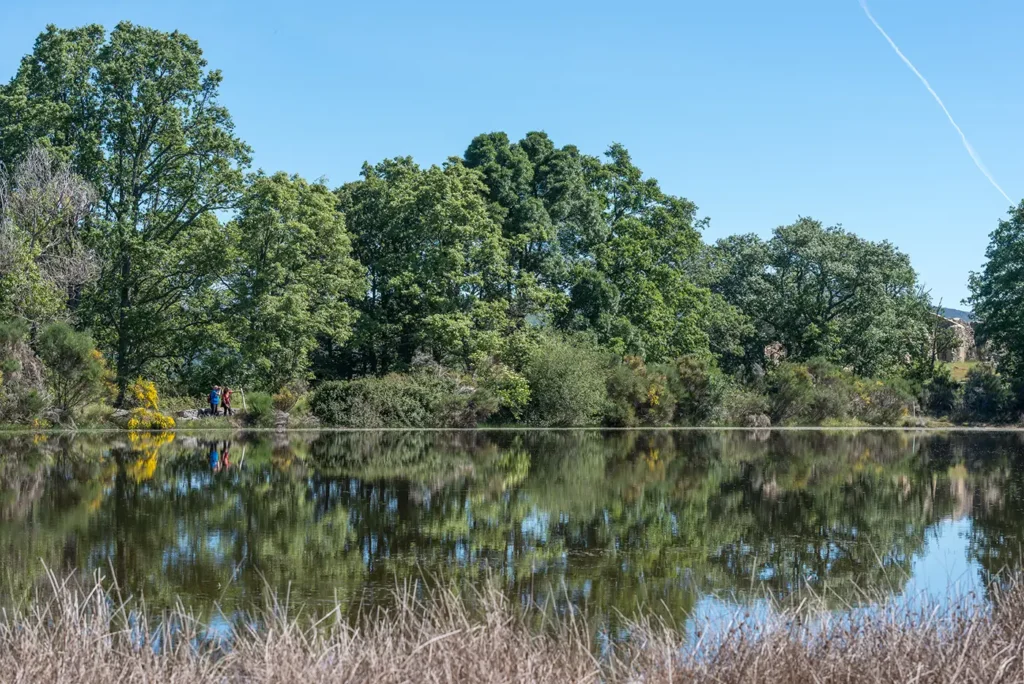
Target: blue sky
{"points": [[759, 112]]}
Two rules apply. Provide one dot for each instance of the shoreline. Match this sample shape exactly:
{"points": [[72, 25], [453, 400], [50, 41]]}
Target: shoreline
{"points": [[788, 428]]}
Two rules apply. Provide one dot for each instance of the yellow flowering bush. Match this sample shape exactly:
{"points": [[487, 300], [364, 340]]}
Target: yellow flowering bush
{"points": [[146, 419], [142, 394], [145, 414]]}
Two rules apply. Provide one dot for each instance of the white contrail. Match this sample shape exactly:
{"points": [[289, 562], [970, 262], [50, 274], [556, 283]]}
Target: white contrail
{"points": [[967, 145]]}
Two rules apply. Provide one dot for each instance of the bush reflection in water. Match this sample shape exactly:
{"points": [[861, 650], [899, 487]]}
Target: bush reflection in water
{"points": [[611, 522]]}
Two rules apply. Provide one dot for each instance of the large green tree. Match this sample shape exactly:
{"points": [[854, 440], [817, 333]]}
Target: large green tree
{"points": [[822, 291], [631, 282], [435, 266], [517, 194], [291, 279], [997, 292], [601, 248], [137, 113]]}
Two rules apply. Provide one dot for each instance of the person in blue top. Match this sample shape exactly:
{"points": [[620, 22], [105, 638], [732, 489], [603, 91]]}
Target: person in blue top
{"points": [[214, 399]]}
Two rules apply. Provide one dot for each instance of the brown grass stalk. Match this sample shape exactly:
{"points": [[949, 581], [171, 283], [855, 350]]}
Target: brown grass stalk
{"points": [[82, 632]]}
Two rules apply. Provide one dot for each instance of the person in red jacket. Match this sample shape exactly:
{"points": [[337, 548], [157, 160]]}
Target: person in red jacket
{"points": [[226, 401]]}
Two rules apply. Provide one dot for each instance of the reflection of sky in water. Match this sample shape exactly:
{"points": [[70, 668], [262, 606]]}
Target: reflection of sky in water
{"points": [[942, 572], [944, 568]]}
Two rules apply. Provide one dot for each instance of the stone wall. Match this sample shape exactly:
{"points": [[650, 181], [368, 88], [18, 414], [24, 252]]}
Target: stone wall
{"points": [[964, 348]]}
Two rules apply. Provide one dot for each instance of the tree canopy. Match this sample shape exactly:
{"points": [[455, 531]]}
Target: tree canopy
{"points": [[997, 291], [823, 292], [128, 210]]}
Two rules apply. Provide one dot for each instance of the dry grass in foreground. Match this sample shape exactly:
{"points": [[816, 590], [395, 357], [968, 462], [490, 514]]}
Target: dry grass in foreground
{"points": [[83, 635]]}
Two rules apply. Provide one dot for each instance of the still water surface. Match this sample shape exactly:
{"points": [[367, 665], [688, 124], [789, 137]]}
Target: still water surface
{"points": [[677, 523]]}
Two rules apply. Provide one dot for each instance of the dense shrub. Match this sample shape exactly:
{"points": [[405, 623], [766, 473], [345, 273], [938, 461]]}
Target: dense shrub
{"points": [[260, 408], [637, 395], [74, 368], [699, 388], [567, 382], [742, 404], [22, 396], [986, 395], [941, 394], [286, 398], [832, 395], [818, 392], [504, 390], [790, 387], [426, 398], [883, 402]]}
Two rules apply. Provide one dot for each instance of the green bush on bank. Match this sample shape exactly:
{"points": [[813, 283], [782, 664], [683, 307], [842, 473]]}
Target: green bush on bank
{"points": [[986, 396], [74, 368], [942, 394], [637, 396], [700, 389], [426, 398], [567, 382], [572, 384], [260, 408], [818, 392]]}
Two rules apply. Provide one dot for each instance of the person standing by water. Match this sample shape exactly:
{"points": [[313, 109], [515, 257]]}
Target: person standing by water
{"points": [[226, 400], [214, 399]]}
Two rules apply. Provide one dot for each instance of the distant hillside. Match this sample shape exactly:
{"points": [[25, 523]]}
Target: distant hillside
{"points": [[956, 313]]}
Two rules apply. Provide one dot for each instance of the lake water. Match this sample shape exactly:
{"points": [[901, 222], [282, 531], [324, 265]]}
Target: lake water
{"points": [[680, 523]]}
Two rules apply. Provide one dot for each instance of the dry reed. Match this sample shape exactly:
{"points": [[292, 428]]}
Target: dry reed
{"points": [[84, 633]]}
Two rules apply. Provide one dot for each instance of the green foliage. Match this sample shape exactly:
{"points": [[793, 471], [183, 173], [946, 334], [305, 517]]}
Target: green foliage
{"points": [[942, 393], [819, 392], [434, 263], [22, 396], [260, 407], [986, 396], [74, 368], [638, 396], [824, 292], [790, 390], [997, 293], [741, 404], [425, 398], [509, 389], [292, 278], [438, 294], [24, 291], [699, 387], [13, 331], [286, 398], [567, 382], [884, 403], [137, 114]]}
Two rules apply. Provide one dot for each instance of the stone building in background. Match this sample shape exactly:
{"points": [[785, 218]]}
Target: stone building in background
{"points": [[957, 340]]}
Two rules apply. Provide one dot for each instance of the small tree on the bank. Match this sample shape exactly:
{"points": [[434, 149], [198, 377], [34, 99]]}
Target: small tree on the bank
{"points": [[74, 368]]}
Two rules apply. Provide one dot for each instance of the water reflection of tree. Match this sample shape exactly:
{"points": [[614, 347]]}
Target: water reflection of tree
{"points": [[609, 520], [992, 476]]}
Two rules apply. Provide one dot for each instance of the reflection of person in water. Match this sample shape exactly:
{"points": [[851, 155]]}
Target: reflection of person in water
{"points": [[214, 457], [226, 455]]}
